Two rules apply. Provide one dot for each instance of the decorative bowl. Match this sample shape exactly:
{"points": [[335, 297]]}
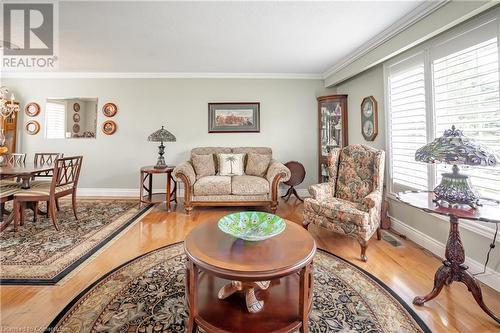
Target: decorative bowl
{"points": [[252, 226]]}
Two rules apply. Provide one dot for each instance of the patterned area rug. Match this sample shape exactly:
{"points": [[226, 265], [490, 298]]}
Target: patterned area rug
{"points": [[147, 295], [38, 254]]}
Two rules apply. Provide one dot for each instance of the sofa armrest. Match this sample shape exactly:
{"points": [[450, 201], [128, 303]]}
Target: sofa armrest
{"points": [[321, 191], [185, 169], [277, 168], [374, 199]]}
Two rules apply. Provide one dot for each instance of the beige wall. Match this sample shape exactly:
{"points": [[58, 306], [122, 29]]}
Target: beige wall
{"points": [[288, 121]]}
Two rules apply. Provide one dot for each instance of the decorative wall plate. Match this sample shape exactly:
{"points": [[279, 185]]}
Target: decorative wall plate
{"points": [[109, 127], [369, 118], [76, 128], [76, 107], [32, 127], [76, 117], [109, 109], [32, 109]]}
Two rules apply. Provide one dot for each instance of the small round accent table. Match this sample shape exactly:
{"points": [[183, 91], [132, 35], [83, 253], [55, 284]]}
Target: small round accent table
{"points": [[453, 268], [298, 173], [170, 195], [215, 259]]}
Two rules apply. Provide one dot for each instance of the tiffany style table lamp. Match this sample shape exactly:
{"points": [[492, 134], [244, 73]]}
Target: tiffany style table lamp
{"points": [[454, 148], [161, 135]]}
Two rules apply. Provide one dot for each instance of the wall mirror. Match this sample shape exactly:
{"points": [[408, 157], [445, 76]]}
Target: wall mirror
{"points": [[71, 118]]}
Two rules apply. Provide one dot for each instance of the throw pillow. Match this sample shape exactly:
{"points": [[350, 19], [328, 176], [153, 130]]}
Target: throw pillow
{"points": [[203, 165], [230, 164], [257, 164]]}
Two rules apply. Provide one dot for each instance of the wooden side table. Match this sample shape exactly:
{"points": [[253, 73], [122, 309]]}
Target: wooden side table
{"points": [[298, 173], [453, 268], [215, 257], [170, 195]]}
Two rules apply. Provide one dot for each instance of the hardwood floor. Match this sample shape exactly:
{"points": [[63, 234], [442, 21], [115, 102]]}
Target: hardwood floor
{"points": [[407, 269]]}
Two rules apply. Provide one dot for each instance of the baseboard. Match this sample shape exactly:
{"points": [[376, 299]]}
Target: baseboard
{"points": [[491, 278], [134, 192]]}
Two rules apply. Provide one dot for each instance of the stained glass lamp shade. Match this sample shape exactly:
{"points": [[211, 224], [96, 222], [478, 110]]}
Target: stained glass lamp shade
{"points": [[456, 149], [161, 135]]}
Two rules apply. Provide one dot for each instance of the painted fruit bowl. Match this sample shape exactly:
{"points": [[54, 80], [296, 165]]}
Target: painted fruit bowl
{"points": [[252, 226]]}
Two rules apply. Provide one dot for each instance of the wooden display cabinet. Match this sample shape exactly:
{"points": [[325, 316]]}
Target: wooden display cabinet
{"points": [[332, 129]]}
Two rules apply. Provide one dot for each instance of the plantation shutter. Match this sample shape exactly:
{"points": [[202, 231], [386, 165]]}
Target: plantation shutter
{"points": [[407, 123], [466, 94]]}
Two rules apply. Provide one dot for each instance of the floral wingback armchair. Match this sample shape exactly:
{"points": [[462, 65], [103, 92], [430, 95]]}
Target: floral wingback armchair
{"points": [[350, 203]]}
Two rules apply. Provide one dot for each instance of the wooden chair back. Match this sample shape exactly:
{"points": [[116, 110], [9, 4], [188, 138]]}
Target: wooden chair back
{"points": [[46, 159], [66, 172], [16, 159]]}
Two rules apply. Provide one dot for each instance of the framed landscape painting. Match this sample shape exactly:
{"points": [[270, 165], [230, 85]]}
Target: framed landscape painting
{"points": [[233, 117]]}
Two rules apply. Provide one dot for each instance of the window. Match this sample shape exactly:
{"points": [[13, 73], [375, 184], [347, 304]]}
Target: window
{"points": [[450, 81], [55, 120], [407, 122]]}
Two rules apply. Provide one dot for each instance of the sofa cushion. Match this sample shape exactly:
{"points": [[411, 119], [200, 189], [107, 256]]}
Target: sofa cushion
{"points": [[210, 150], [230, 164], [203, 165], [257, 164], [212, 185], [246, 185]]}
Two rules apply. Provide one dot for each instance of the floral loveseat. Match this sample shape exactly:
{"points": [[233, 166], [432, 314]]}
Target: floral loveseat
{"points": [[208, 189]]}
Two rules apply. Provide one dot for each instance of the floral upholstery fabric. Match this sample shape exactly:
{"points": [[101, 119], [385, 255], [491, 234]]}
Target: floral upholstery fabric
{"points": [[333, 167], [354, 207], [257, 164], [248, 185], [211, 151], [358, 170], [276, 168], [212, 185], [203, 165]]}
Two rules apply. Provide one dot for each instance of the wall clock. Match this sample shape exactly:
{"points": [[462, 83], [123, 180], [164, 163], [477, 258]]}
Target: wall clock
{"points": [[32, 109], [76, 107], [369, 118]]}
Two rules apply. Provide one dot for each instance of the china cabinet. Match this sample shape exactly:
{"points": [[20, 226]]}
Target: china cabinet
{"points": [[8, 127], [332, 129]]}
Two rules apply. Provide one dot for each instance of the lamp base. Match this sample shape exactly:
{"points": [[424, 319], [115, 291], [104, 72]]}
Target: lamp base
{"points": [[455, 190], [160, 164]]}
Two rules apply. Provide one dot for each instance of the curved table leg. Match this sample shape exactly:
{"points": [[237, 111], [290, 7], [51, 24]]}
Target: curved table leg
{"points": [[440, 278], [474, 288]]}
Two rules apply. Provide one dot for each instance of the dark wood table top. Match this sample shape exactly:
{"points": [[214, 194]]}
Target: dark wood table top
{"points": [[488, 212], [24, 169], [228, 257], [152, 169]]}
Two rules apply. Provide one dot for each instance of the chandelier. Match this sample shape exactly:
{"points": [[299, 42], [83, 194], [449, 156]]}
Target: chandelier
{"points": [[8, 107]]}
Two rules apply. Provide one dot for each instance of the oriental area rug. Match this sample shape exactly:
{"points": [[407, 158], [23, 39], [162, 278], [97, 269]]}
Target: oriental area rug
{"points": [[147, 294], [38, 254]]}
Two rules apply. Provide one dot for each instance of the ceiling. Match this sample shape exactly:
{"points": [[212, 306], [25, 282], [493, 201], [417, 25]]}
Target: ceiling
{"points": [[218, 37]]}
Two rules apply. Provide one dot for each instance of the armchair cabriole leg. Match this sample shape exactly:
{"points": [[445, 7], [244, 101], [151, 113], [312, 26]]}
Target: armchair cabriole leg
{"points": [[364, 246], [305, 224], [379, 233]]}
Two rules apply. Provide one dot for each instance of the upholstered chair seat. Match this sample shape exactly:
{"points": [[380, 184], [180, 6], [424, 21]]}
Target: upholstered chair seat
{"points": [[351, 202]]}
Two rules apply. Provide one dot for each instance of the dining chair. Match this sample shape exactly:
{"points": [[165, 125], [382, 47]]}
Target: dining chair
{"points": [[46, 159], [7, 190], [64, 182], [15, 158]]}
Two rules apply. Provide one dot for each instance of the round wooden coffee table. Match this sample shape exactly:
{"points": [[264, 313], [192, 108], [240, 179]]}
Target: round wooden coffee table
{"points": [[216, 260]]}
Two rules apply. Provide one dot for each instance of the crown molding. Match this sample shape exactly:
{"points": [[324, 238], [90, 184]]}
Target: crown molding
{"points": [[417, 14], [159, 75]]}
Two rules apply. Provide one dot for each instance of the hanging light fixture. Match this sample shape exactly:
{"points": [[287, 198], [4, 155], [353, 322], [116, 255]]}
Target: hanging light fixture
{"points": [[8, 107]]}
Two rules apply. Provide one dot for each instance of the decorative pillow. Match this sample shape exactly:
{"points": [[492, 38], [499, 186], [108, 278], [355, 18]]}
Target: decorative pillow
{"points": [[257, 164], [230, 164], [203, 165]]}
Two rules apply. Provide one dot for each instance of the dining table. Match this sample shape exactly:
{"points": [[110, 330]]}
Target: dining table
{"points": [[25, 172]]}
